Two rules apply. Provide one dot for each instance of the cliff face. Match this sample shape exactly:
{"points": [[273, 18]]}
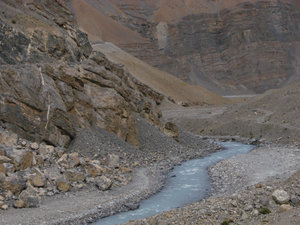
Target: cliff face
{"points": [[227, 46], [250, 47], [52, 83]]}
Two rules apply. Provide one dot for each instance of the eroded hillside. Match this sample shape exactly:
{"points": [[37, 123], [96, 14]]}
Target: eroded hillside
{"points": [[226, 46]]}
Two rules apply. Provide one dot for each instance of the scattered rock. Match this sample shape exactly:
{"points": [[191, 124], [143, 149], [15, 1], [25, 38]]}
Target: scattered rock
{"points": [[27, 160], [103, 183], [30, 198], [4, 207], [74, 159], [2, 169], [13, 183], [19, 203], [4, 159], [74, 175], [132, 206], [94, 169], [280, 196], [285, 207], [62, 184], [34, 146], [38, 180], [112, 161]]}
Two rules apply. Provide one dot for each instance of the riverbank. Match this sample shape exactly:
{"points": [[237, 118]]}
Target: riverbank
{"points": [[89, 203], [243, 191]]}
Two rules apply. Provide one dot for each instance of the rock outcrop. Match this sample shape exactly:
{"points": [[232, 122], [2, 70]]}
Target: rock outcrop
{"points": [[52, 83]]}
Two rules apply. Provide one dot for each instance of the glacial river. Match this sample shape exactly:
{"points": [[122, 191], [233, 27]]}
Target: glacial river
{"points": [[186, 184]]}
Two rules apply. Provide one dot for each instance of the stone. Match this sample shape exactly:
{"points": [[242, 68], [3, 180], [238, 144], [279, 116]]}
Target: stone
{"points": [[63, 160], [34, 146], [280, 196], [27, 160], [30, 198], [8, 139], [285, 207], [74, 175], [132, 206], [294, 199], [2, 169], [9, 168], [38, 180], [23, 143], [4, 207], [4, 159], [94, 169], [52, 173], [14, 184], [19, 204], [62, 184], [74, 159], [103, 183], [112, 161]]}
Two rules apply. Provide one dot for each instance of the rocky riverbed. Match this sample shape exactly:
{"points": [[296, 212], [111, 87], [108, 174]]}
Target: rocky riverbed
{"points": [[98, 175], [246, 192]]}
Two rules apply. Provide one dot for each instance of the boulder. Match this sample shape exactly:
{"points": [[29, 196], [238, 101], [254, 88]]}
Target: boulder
{"points": [[112, 161], [103, 183], [281, 196], [94, 169], [29, 197], [62, 184], [27, 160], [38, 180], [13, 183], [74, 160], [19, 203], [74, 176]]}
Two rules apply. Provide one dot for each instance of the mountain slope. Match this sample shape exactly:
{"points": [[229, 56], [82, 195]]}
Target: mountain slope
{"points": [[230, 47], [158, 80]]}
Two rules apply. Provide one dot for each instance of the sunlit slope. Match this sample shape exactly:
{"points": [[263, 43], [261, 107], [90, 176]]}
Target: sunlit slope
{"points": [[160, 81]]}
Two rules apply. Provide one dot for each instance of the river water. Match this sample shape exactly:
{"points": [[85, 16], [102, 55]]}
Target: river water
{"points": [[186, 184]]}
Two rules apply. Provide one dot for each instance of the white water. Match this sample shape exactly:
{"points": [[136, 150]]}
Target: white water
{"points": [[187, 183]]}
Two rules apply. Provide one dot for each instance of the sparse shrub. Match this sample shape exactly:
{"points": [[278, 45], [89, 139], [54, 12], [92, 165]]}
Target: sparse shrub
{"points": [[265, 211], [227, 222]]}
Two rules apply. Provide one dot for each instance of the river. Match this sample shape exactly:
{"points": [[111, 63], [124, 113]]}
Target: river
{"points": [[186, 184]]}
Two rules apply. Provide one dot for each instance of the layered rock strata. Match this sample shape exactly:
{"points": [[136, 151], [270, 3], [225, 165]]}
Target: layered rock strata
{"points": [[52, 83]]}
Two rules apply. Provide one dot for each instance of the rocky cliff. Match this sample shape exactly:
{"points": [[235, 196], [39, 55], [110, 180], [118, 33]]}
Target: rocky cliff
{"points": [[228, 46], [52, 83]]}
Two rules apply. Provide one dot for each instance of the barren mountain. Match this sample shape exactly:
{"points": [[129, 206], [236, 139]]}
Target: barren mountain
{"points": [[227, 46]]}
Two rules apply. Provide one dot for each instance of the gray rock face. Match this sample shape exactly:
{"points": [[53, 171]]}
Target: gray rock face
{"points": [[52, 84]]}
